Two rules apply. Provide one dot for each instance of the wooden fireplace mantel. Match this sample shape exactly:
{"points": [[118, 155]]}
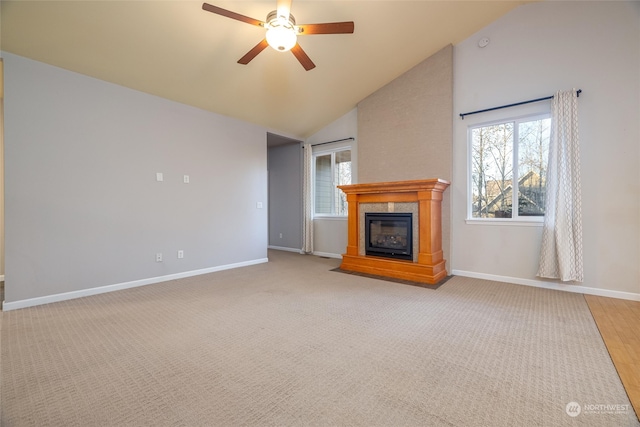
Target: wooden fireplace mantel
{"points": [[427, 193]]}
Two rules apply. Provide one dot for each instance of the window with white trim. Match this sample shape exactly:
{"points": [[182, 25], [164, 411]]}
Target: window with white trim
{"points": [[330, 169], [508, 169]]}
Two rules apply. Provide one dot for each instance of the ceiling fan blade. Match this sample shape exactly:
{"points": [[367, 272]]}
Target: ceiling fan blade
{"points": [[224, 12], [327, 28], [253, 52], [304, 59]]}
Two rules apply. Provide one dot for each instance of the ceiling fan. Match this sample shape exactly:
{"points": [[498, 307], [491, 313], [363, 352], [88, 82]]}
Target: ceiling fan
{"points": [[282, 31]]}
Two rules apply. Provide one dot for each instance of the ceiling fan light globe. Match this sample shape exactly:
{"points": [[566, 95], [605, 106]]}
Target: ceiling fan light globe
{"points": [[281, 39]]}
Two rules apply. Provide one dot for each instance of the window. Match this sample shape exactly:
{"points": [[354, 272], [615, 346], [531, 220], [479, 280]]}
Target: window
{"points": [[331, 168], [498, 189]]}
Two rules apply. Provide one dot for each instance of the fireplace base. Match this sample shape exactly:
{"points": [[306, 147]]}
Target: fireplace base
{"points": [[398, 269]]}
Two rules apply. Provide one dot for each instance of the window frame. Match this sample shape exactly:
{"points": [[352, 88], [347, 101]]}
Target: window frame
{"points": [[323, 151], [516, 220]]}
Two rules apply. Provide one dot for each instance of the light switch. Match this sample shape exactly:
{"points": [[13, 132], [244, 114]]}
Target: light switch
{"points": [[159, 177], [259, 205]]}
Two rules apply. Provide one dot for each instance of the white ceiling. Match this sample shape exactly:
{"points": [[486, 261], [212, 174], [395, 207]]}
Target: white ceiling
{"points": [[175, 50]]}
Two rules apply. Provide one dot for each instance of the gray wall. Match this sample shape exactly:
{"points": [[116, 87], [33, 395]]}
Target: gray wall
{"points": [[405, 131], [285, 196], [83, 207]]}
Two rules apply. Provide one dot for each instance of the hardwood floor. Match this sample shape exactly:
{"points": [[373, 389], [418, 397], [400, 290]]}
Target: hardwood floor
{"points": [[619, 324]]}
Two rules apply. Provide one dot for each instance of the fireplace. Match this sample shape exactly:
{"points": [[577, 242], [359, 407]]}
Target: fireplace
{"points": [[427, 264], [389, 235]]}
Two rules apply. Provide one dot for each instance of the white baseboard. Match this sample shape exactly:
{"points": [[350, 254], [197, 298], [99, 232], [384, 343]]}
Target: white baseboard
{"points": [[282, 248], [300, 251], [550, 285], [14, 305], [327, 254]]}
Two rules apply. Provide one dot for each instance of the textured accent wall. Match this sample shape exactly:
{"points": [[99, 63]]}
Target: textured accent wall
{"points": [[1, 167], [405, 129]]}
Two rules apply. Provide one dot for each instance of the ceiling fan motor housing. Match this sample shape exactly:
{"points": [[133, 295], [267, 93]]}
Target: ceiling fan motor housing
{"points": [[273, 16]]}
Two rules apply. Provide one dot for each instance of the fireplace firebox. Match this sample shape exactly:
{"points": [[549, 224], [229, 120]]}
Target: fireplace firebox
{"points": [[389, 235]]}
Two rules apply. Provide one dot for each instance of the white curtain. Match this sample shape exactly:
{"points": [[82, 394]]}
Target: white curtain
{"points": [[561, 252], [307, 221]]}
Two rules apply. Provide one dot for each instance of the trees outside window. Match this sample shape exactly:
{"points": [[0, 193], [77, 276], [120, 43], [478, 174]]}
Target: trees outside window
{"points": [[508, 168]]}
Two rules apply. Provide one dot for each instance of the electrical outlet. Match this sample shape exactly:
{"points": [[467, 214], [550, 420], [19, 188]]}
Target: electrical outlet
{"points": [[158, 257], [281, 235], [181, 254], [185, 179], [259, 205]]}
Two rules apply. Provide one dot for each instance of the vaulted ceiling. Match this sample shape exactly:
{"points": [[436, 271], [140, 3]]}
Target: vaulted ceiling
{"points": [[176, 50]]}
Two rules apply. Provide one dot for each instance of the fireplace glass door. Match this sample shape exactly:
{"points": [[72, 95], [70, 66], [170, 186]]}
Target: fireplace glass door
{"points": [[389, 235]]}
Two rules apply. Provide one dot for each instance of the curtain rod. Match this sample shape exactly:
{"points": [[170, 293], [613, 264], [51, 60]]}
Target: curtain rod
{"points": [[331, 142], [578, 92]]}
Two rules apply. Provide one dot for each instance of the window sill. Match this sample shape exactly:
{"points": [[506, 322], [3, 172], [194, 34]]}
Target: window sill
{"points": [[331, 217], [503, 222]]}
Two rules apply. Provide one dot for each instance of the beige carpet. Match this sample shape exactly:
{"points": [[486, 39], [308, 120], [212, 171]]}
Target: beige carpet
{"points": [[292, 343]]}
